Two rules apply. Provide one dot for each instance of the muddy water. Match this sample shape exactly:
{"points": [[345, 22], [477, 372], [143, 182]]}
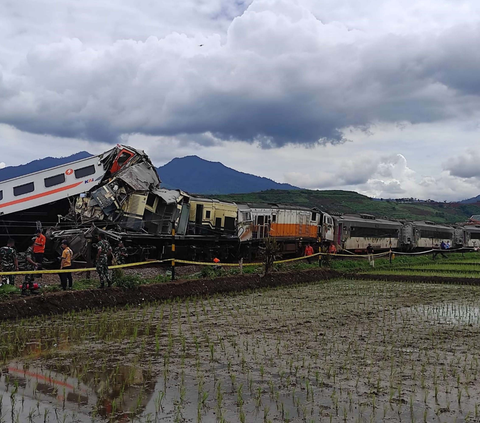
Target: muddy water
{"points": [[337, 351]]}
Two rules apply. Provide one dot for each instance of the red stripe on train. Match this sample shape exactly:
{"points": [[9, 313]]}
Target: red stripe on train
{"points": [[43, 194]]}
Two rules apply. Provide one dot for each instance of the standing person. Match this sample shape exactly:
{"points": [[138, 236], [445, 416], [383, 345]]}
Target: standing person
{"points": [[31, 265], [121, 253], [332, 249], [370, 252], [8, 261], [39, 248], [104, 250], [308, 252], [66, 264]]}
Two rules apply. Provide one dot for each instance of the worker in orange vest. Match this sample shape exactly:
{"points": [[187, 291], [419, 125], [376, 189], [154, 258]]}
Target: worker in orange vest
{"points": [[308, 252], [39, 248]]}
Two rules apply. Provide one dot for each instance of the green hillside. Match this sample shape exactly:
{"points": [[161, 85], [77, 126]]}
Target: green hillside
{"points": [[352, 202]]}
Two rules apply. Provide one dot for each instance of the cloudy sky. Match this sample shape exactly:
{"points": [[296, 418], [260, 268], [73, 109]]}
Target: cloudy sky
{"points": [[377, 96]]}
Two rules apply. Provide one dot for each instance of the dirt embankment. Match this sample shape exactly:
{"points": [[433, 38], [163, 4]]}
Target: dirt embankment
{"points": [[65, 301], [418, 279]]}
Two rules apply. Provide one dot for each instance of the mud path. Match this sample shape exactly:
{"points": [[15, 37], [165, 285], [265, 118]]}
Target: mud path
{"points": [[64, 302]]}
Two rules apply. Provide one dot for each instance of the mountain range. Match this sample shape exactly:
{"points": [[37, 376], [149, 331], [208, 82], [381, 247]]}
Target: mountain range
{"points": [[196, 175], [192, 174], [10, 172]]}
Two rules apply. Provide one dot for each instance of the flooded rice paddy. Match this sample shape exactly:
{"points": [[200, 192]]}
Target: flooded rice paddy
{"points": [[344, 351]]}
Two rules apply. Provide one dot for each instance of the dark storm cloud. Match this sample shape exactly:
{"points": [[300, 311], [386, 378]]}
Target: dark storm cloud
{"points": [[465, 165], [281, 76]]}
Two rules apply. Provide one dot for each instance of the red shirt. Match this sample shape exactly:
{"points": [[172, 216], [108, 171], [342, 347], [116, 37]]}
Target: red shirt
{"points": [[308, 250], [39, 246]]}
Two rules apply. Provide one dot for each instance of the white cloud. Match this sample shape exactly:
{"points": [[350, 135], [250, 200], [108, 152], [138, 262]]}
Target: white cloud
{"points": [[2, 165]]}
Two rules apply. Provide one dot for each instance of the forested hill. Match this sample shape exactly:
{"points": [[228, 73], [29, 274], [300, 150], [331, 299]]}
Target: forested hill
{"points": [[352, 202]]}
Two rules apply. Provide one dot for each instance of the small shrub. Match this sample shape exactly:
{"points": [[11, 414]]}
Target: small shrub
{"points": [[130, 282], [208, 272]]}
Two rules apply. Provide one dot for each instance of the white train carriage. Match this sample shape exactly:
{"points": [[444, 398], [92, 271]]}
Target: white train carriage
{"points": [[426, 235], [471, 236], [355, 232], [60, 182]]}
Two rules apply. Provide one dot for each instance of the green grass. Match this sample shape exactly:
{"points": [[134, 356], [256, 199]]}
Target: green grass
{"points": [[397, 272], [7, 290]]}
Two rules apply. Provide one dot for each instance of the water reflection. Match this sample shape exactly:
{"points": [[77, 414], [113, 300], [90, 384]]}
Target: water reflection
{"points": [[31, 392]]}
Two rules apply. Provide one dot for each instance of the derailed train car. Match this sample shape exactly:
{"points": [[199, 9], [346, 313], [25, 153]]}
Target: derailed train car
{"points": [[426, 235], [356, 232], [471, 236]]}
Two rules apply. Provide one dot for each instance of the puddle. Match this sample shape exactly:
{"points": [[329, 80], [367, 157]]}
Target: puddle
{"points": [[455, 313]]}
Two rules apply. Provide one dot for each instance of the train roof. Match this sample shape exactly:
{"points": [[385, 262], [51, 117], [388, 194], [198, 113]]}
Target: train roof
{"points": [[277, 206], [472, 228], [367, 219], [210, 200], [429, 224]]}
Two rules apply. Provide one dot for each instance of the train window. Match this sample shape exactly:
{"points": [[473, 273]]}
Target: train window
{"points": [[207, 214], [246, 216], [151, 200], [23, 189], [274, 218], [123, 158], [260, 220], [473, 235], [230, 224], [314, 216], [357, 231], [1, 195], [54, 180], [424, 233], [84, 171]]}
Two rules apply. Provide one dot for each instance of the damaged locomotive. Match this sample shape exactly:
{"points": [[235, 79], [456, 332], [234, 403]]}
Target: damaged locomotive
{"points": [[117, 193]]}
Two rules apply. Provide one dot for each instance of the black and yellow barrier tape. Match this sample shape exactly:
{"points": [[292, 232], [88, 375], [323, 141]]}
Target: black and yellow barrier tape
{"points": [[83, 269]]}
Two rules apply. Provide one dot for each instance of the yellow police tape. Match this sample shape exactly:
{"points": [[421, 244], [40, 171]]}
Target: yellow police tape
{"points": [[87, 269], [198, 263]]}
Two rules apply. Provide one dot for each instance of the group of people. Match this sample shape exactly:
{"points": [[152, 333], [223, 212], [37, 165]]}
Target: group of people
{"points": [[331, 249], [445, 245], [34, 258]]}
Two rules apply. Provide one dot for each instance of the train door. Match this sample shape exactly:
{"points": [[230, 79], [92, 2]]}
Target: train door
{"points": [[339, 234], [183, 219], [327, 228], [198, 219], [261, 227]]}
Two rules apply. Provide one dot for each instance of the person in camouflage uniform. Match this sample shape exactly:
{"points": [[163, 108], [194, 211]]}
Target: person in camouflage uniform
{"points": [[8, 261], [104, 250], [121, 253], [30, 265]]}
